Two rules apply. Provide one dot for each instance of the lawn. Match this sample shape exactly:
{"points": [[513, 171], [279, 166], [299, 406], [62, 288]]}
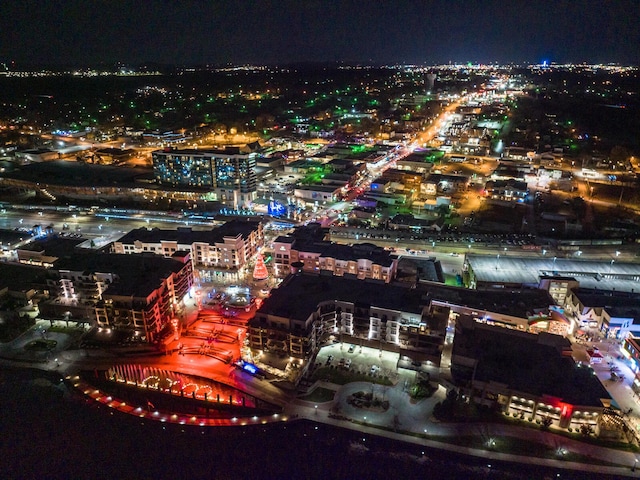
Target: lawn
{"points": [[319, 395], [41, 345], [342, 376]]}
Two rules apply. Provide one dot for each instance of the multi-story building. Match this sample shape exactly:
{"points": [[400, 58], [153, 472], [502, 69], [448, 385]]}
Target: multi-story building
{"points": [[227, 175], [362, 261], [138, 294], [507, 190], [528, 376], [306, 309], [614, 314], [218, 254]]}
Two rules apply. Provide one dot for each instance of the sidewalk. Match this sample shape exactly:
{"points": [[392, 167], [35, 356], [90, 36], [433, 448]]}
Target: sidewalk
{"points": [[412, 422]]}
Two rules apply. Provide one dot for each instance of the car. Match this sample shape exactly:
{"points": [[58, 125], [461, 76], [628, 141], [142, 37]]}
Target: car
{"points": [[341, 363], [352, 348], [329, 360], [374, 369], [347, 364]]}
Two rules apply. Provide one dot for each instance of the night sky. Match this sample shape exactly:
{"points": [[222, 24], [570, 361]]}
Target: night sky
{"points": [[188, 32]]}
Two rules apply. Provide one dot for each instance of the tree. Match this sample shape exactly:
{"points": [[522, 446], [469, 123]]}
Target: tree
{"points": [[619, 155], [586, 429]]}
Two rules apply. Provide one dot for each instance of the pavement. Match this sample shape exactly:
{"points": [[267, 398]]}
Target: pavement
{"points": [[404, 420], [619, 388], [412, 422]]}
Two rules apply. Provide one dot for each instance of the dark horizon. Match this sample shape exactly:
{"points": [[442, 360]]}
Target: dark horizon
{"points": [[74, 32]]}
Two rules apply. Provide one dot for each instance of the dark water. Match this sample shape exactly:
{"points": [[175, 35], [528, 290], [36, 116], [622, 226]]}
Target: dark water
{"points": [[44, 434]]}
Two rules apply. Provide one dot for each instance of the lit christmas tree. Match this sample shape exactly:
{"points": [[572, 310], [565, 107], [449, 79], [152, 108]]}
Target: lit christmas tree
{"points": [[260, 270]]}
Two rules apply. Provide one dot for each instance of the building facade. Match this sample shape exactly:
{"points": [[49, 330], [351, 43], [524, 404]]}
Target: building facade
{"points": [[307, 309], [228, 175], [362, 261], [528, 376], [138, 295], [219, 254]]}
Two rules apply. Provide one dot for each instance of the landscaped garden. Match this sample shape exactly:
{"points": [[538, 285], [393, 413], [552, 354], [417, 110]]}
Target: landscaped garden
{"points": [[41, 345], [319, 395], [342, 376]]}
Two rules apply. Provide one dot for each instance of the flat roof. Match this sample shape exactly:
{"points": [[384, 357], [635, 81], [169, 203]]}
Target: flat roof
{"points": [[525, 363], [617, 304], [18, 278], [11, 237], [53, 245], [138, 274], [200, 151], [60, 172], [318, 188], [187, 236], [518, 303], [299, 295], [501, 269]]}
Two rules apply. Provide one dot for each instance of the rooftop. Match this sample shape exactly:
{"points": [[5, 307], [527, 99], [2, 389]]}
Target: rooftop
{"points": [[518, 303], [138, 274], [299, 295], [80, 174], [17, 277], [593, 274], [617, 304], [527, 363], [187, 236]]}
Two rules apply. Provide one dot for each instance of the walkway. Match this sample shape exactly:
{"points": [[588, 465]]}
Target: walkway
{"points": [[411, 422]]}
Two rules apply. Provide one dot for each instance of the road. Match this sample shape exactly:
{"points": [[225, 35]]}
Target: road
{"points": [[91, 225]]}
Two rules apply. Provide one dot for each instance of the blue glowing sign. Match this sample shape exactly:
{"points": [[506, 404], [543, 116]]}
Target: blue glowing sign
{"points": [[252, 369], [276, 209]]}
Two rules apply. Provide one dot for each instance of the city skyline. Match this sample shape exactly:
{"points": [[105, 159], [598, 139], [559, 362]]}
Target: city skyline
{"points": [[189, 33]]}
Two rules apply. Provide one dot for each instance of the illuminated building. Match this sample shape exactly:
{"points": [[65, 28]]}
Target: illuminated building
{"points": [[528, 376], [364, 261], [137, 294], [218, 254], [227, 174], [507, 190], [307, 308]]}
